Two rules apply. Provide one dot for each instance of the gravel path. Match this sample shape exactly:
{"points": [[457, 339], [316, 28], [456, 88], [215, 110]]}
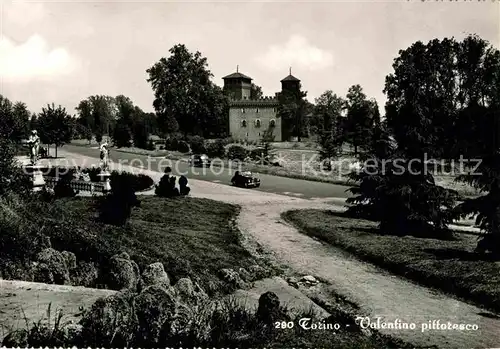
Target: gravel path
{"points": [[376, 292]]}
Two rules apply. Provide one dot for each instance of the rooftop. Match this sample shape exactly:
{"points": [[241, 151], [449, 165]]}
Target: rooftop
{"points": [[236, 75], [290, 78]]}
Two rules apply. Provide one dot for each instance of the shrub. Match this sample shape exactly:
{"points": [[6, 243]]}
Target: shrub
{"points": [[116, 208], [137, 182], [197, 145], [216, 149], [172, 144], [236, 152], [183, 147]]}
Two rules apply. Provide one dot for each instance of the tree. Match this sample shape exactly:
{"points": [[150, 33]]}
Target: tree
{"points": [[183, 89], [98, 113], [327, 123], [122, 135], [362, 116], [400, 192], [167, 124], [292, 109], [56, 126], [14, 120], [255, 91]]}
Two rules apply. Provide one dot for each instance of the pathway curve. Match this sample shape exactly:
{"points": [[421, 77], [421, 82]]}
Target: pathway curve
{"points": [[377, 293]]}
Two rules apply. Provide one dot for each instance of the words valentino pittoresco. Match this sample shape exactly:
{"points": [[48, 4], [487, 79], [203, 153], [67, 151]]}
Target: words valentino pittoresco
{"points": [[378, 323]]}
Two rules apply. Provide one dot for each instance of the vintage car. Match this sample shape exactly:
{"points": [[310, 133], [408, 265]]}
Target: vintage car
{"points": [[245, 180], [199, 160]]}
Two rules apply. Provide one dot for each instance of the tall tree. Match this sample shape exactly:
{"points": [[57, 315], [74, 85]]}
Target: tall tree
{"points": [[183, 89], [293, 108], [362, 116], [255, 92], [14, 119], [56, 126]]}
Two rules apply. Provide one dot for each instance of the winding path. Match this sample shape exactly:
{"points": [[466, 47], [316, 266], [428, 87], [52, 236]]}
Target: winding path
{"points": [[377, 293]]}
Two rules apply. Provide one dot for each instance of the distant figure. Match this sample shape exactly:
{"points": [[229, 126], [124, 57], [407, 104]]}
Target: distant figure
{"points": [[235, 177], [173, 188], [34, 143], [184, 188]]}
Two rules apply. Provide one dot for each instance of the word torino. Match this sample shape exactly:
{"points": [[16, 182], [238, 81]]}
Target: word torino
{"points": [[378, 324]]}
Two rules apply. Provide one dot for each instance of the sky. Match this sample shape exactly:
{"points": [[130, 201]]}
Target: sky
{"points": [[64, 51]]}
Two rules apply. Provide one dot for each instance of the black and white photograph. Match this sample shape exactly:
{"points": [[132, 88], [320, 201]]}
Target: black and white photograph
{"points": [[250, 174]]}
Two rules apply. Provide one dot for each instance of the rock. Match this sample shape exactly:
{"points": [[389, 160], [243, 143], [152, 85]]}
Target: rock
{"points": [[257, 272], [52, 267], [123, 273], [310, 279], [232, 278], [16, 339], [269, 309], [293, 281], [85, 274], [245, 275], [111, 320], [70, 259], [188, 292], [154, 274], [155, 307]]}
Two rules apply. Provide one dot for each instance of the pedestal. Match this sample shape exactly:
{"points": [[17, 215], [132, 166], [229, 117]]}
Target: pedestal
{"points": [[105, 178], [36, 177]]}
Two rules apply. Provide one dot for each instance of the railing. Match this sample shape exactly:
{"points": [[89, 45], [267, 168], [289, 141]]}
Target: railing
{"points": [[92, 187]]}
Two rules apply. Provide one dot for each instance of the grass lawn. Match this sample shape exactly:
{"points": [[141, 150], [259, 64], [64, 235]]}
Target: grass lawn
{"points": [[192, 237], [449, 265]]}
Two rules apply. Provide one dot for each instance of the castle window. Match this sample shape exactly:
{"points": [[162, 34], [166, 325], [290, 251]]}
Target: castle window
{"points": [[247, 134], [243, 110], [257, 123], [243, 123], [259, 134], [272, 123], [257, 110]]}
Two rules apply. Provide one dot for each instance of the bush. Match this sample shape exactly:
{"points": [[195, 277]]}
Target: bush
{"points": [[197, 145], [138, 182], [172, 143], [183, 147], [116, 208], [236, 152], [216, 149]]}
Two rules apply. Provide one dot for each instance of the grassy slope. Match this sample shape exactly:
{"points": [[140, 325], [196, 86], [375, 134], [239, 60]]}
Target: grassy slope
{"points": [[447, 265]]}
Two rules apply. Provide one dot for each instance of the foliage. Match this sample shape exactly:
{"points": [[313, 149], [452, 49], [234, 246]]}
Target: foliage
{"points": [[172, 143], [116, 208], [292, 110], [122, 136], [255, 92], [12, 177], [56, 126], [362, 116], [14, 120], [266, 142], [183, 146], [197, 145], [140, 134], [183, 89], [236, 152], [327, 113], [216, 149]]}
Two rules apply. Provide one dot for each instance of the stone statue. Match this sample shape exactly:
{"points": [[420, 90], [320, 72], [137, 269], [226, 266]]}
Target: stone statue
{"points": [[104, 156], [34, 143]]}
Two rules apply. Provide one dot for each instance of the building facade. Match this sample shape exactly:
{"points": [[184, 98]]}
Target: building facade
{"points": [[250, 118]]}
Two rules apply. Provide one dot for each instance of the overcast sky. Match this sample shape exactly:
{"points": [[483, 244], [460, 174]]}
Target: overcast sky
{"points": [[63, 52]]}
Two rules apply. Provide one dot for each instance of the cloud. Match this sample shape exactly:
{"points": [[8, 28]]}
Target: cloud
{"points": [[297, 52], [33, 59]]}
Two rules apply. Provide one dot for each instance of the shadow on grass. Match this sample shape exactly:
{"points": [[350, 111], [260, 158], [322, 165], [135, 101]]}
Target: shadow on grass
{"points": [[463, 255], [444, 235]]}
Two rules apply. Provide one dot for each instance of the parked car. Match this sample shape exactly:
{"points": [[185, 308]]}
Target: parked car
{"points": [[245, 180], [199, 160]]}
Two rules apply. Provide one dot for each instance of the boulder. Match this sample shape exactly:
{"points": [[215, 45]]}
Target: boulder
{"points": [[188, 292], [51, 267], [156, 308], [70, 259], [111, 320], [309, 279], [232, 277], [123, 273], [154, 274]]}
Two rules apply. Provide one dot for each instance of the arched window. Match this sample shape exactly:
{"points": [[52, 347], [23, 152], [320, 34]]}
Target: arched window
{"points": [[272, 123], [257, 110], [243, 123], [243, 110], [257, 123]]}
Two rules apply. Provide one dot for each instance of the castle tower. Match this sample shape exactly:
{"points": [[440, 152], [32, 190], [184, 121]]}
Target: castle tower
{"points": [[237, 86], [290, 83]]}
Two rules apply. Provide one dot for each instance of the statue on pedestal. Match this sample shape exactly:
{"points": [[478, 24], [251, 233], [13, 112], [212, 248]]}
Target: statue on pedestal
{"points": [[34, 144], [104, 156]]}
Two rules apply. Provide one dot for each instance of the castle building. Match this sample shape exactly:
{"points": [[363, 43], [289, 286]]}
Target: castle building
{"points": [[250, 118]]}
